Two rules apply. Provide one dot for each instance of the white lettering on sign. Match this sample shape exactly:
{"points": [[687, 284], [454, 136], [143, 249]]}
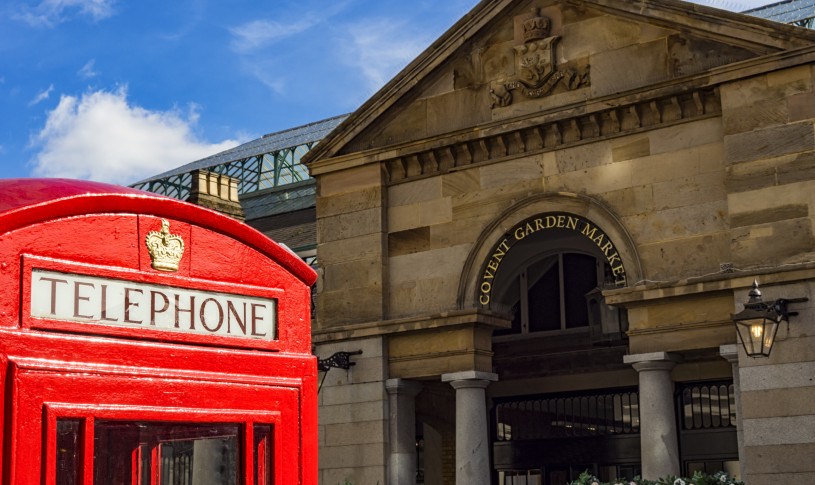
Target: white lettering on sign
{"points": [[80, 298]]}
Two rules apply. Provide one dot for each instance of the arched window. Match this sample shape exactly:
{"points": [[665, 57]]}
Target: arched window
{"points": [[549, 293]]}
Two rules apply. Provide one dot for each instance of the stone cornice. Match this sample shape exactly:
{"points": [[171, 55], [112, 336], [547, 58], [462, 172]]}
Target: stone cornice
{"points": [[411, 324], [649, 293], [556, 134], [729, 27]]}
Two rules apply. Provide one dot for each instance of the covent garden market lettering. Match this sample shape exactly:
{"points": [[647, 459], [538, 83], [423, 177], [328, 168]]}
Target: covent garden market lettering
{"points": [[536, 224]]}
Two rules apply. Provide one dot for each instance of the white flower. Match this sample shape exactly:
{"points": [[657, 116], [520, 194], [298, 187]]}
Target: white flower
{"points": [[679, 481]]}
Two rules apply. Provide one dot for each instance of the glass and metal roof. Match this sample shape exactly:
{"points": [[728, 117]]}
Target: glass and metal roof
{"points": [[267, 162], [795, 12], [293, 197]]}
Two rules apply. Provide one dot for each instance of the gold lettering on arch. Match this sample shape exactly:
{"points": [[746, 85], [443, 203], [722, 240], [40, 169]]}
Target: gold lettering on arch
{"points": [[544, 222]]}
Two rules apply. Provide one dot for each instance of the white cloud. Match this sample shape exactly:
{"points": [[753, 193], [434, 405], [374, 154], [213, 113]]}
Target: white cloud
{"points": [[260, 33], [252, 41], [87, 72], [256, 34], [379, 48], [51, 12], [100, 136], [41, 96], [266, 73]]}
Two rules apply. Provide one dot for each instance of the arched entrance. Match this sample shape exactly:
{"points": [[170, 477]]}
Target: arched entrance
{"points": [[555, 413]]}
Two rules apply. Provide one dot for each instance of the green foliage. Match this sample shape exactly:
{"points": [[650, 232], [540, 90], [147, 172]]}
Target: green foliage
{"points": [[698, 478]]}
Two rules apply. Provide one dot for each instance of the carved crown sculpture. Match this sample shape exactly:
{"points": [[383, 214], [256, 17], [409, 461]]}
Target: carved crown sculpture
{"points": [[165, 249], [537, 27]]}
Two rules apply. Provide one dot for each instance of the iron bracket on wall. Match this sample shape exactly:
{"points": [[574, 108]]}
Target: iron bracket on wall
{"points": [[340, 360]]}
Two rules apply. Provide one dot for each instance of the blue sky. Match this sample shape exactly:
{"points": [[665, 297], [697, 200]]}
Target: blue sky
{"points": [[119, 90]]}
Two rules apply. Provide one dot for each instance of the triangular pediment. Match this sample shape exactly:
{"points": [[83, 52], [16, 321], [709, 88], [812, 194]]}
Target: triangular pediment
{"points": [[508, 60]]}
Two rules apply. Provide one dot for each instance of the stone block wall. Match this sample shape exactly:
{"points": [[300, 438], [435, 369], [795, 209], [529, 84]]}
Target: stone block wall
{"points": [[353, 413], [350, 245], [666, 186], [769, 149]]}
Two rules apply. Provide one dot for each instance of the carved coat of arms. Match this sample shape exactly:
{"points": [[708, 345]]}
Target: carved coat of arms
{"points": [[537, 74]]}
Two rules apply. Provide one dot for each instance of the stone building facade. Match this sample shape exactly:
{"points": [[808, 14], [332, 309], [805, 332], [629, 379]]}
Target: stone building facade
{"points": [[537, 233]]}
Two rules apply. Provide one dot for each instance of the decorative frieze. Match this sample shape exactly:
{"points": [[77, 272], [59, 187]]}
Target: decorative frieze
{"points": [[557, 134]]}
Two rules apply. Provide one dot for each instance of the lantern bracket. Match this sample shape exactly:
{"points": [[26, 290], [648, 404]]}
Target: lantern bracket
{"points": [[338, 360]]}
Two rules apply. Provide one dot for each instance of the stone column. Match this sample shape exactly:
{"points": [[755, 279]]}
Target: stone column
{"points": [[402, 424], [472, 434], [659, 440], [731, 353]]}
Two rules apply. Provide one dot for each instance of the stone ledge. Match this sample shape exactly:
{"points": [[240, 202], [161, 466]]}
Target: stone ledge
{"points": [[469, 375], [376, 328], [652, 357], [721, 281]]}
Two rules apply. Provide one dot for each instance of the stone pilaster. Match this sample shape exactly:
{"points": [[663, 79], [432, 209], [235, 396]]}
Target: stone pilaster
{"points": [[659, 439], [352, 244], [731, 354], [402, 412], [472, 434]]}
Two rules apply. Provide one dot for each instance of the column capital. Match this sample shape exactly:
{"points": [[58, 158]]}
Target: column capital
{"points": [[469, 375], [730, 353], [652, 361], [473, 377], [403, 386]]}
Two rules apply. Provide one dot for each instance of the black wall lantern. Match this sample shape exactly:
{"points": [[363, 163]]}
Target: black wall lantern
{"points": [[758, 323]]}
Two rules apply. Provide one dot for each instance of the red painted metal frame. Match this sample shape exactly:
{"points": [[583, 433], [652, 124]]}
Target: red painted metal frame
{"points": [[52, 369]]}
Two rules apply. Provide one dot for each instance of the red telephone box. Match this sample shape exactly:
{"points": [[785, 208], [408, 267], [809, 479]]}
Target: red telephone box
{"points": [[144, 340]]}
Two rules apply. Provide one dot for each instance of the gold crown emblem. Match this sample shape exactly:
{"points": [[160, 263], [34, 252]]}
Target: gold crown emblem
{"points": [[165, 249], [537, 27]]}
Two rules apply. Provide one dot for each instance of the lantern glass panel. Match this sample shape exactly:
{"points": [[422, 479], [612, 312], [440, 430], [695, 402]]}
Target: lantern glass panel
{"points": [[770, 329], [757, 335]]}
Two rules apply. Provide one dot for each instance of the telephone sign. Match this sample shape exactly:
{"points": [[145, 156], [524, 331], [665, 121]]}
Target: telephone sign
{"points": [[80, 298]]}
